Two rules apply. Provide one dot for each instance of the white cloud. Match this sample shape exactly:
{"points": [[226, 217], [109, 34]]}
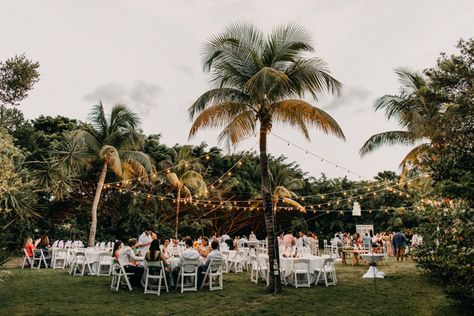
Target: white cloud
{"points": [[140, 96]]}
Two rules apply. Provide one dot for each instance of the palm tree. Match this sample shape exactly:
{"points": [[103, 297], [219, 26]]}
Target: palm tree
{"points": [[116, 144], [262, 78], [182, 173], [284, 183], [417, 110]]}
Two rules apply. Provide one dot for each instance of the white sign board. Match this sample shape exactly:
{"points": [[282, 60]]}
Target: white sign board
{"points": [[362, 229]]}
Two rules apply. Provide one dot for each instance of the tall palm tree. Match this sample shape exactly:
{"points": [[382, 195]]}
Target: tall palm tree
{"points": [[417, 110], [262, 78], [182, 173], [116, 144]]}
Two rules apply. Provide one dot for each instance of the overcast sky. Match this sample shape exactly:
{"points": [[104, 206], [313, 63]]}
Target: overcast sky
{"points": [[147, 54]]}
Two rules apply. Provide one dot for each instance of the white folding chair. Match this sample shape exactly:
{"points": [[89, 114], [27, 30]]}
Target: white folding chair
{"points": [[105, 263], [55, 244], [301, 268], [59, 258], [188, 272], [38, 256], [154, 273], [254, 271], [213, 273], [263, 268], [26, 259], [327, 270], [61, 244], [119, 276], [81, 263]]}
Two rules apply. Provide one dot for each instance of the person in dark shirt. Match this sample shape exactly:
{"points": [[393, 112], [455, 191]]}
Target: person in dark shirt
{"points": [[399, 243]]}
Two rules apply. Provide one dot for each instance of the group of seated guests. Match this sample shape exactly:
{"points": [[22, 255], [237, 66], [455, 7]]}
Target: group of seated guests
{"points": [[41, 243], [133, 254]]}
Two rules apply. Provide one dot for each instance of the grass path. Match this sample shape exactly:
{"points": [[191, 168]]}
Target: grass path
{"points": [[404, 291]]}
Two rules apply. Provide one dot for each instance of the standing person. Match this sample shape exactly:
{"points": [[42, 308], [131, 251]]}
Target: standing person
{"points": [[400, 243], [144, 241], [302, 240], [252, 236], [288, 243], [313, 243]]}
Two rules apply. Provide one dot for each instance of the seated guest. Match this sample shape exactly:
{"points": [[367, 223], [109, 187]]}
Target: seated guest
{"points": [[29, 247], [164, 248], [188, 254], [154, 254], [133, 245], [44, 245], [128, 260], [117, 248], [173, 248], [204, 249], [215, 254]]}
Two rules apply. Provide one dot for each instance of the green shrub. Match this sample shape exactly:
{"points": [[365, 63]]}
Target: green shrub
{"points": [[447, 252]]}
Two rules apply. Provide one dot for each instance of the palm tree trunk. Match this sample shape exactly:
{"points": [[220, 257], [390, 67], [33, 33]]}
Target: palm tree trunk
{"points": [[273, 253], [95, 205], [178, 199]]}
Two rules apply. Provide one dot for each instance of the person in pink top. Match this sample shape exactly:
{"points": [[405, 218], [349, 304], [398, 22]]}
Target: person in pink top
{"points": [[289, 242]]}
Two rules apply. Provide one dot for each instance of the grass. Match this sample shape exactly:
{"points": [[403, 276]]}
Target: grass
{"points": [[404, 291]]}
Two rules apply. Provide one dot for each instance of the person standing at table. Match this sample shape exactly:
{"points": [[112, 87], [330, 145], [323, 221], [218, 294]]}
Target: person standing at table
{"points": [[252, 236], [145, 240], [288, 243]]}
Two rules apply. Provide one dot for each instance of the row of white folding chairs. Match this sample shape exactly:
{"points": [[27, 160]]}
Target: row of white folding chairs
{"points": [[68, 244], [302, 274], [103, 246], [81, 265], [39, 259], [187, 277]]}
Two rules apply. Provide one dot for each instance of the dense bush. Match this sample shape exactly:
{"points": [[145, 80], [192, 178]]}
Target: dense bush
{"points": [[447, 252]]}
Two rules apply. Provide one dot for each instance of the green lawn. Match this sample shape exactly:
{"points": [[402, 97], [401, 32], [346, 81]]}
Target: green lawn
{"points": [[404, 291]]}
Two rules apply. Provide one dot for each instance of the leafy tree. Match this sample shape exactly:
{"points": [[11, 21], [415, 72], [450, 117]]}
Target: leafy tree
{"points": [[17, 76], [262, 78], [447, 251], [115, 143]]}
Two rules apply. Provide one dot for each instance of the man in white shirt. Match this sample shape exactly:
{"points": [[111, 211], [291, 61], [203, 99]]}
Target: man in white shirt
{"points": [[189, 253], [144, 241], [302, 241], [215, 254]]}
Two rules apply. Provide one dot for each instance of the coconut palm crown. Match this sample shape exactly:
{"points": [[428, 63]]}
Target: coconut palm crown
{"points": [[263, 78], [182, 173], [417, 110]]}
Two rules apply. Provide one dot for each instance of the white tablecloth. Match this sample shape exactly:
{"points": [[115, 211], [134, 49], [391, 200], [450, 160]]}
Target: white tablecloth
{"points": [[286, 265], [373, 272]]}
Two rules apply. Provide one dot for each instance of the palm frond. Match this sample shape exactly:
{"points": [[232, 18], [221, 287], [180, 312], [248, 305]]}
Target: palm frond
{"points": [[242, 126], [296, 112], [387, 138], [217, 115]]}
